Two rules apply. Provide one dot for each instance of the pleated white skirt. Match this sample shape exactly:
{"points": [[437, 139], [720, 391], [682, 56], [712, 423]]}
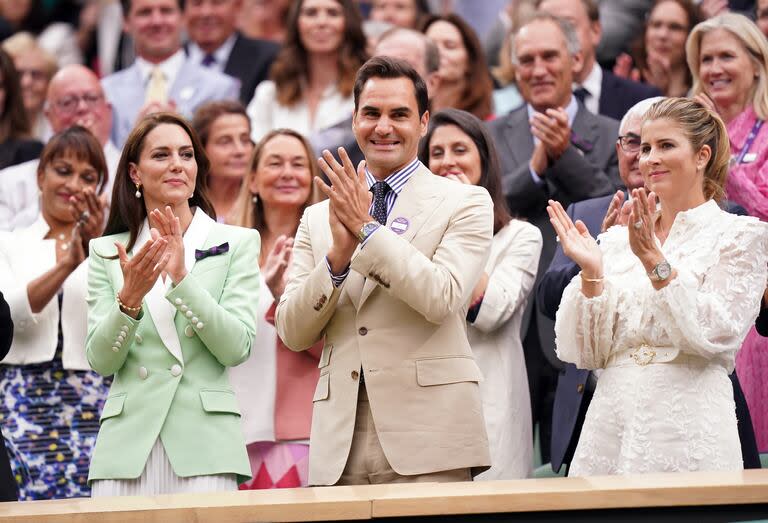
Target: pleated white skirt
{"points": [[158, 478]]}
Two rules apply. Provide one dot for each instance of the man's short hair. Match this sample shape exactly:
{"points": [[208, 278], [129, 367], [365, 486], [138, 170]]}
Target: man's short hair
{"points": [[590, 6], [391, 68], [127, 5], [566, 27], [431, 52]]}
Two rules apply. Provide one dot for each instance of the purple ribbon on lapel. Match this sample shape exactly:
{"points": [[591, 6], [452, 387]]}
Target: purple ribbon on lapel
{"points": [[581, 143], [213, 251]]}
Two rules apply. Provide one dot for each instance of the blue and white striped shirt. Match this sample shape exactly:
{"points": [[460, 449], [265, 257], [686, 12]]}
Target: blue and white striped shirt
{"points": [[396, 182]]}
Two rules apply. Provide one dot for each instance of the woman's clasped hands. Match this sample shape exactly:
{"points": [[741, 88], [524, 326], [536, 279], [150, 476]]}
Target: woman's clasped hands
{"points": [[162, 254]]}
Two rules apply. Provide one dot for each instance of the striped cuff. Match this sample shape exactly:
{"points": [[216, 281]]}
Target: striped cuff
{"points": [[337, 279]]}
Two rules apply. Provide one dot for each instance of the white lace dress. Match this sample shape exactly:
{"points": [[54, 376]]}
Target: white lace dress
{"points": [[675, 412]]}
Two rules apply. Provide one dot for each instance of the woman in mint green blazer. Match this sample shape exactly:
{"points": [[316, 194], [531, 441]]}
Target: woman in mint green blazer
{"points": [[172, 299]]}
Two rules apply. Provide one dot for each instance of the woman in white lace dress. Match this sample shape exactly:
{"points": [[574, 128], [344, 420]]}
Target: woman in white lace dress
{"points": [[662, 305]]}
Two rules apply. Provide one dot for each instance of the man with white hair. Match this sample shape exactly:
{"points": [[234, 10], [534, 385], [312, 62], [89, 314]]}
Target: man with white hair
{"points": [[75, 97], [576, 386]]}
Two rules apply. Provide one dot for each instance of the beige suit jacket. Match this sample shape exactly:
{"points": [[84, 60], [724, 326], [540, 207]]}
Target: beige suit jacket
{"points": [[400, 314]]}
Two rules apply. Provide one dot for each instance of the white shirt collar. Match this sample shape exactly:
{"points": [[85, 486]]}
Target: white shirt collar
{"points": [[221, 54], [571, 109], [170, 67], [593, 83]]}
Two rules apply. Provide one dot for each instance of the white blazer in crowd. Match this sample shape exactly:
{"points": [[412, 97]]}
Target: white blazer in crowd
{"points": [[25, 256], [498, 350]]}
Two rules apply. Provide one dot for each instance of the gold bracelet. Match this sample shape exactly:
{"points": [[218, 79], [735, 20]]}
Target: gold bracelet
{"points": [[590, 280], [126, 307]]}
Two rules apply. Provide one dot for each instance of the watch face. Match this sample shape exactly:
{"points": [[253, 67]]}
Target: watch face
{"points": [[663, 270]]}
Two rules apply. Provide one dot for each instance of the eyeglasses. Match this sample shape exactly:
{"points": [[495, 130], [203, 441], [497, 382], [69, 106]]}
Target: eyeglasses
{"points": [[629, 143], [69, 104]]}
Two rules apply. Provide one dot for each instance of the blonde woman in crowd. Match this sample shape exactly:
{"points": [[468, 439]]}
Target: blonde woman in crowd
{"points": [[663, 305], [276, 407], [728, 56]]}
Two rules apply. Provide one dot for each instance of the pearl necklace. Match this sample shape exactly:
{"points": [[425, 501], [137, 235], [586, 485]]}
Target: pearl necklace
{"points": [[63, 243]]}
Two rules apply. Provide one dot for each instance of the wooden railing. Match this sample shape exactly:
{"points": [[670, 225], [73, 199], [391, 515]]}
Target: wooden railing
{"points": [[735, 490]]}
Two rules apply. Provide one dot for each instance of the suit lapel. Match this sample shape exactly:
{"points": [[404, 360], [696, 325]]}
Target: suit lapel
{"points": [[518, 136], [161, 310], [585, 128], [415, 204]]}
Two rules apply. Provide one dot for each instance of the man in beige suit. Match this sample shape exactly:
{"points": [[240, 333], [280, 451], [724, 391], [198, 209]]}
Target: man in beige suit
{"points": [[386, 277]]}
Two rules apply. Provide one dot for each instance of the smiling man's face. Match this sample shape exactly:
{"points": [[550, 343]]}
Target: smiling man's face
{"points": [[387, 124]]}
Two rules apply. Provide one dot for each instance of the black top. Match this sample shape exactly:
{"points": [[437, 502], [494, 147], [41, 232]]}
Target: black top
{"points": [[19, 150]]}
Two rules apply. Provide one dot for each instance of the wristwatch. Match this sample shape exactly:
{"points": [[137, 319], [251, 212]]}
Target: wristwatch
{"points": [[661, 271], [366, 230]]}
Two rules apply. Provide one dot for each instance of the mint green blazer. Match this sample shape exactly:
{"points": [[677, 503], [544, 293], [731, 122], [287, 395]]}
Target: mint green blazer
{"points": [[170, 365]]}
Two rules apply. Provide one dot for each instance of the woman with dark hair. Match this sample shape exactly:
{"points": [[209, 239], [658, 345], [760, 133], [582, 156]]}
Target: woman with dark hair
{"points": [[50, 399], [168, 321], [311, 80], [658, 57], [16, 145], [465, 82], [401, 13], [458, 147], [277, 408], [225, 132]]}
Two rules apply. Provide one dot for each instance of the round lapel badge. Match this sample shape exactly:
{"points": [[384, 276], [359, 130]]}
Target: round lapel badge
{"points": [[399, 225]]}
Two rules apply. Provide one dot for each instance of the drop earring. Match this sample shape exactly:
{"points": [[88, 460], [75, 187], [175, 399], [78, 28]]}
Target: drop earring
{"points": [[255, 199], [138, 191]]}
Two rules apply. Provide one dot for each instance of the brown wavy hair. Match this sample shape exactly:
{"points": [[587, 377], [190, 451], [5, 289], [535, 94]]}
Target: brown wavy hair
{"points": [[289, 70], [477, 96], [127, 213], [702, 127]]}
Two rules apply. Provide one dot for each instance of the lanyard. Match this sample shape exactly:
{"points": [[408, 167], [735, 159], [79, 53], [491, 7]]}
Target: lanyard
{"points": [[750, 141]]}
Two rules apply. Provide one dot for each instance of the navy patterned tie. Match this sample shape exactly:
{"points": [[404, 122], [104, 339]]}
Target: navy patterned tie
{"points": [[581, 93], [208, 60], [380, 190]]}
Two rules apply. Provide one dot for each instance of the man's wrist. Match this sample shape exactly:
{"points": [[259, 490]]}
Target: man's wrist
{"points": [[338, 261]]}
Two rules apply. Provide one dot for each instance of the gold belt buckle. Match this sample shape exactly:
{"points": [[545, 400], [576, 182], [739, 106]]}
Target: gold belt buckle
{"points": [[643, 355]]}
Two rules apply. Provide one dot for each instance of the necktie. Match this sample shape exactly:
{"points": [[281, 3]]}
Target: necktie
{"points": [[380, 190], [157, 91], [581, 94], [208, 60]]}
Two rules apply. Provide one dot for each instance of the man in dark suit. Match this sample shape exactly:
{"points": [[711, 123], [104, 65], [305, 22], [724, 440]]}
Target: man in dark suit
{"points": [[600, 90], [214, 42], [576, 386], [550, 148]]}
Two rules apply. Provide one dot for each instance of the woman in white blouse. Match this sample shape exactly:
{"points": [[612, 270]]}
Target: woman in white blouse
{"points": [[311, 80], [458, 147], [662, 305]]}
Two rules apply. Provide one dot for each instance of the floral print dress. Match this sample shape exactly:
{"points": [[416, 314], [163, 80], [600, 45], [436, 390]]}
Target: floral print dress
{"points": [[49, 416]]}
